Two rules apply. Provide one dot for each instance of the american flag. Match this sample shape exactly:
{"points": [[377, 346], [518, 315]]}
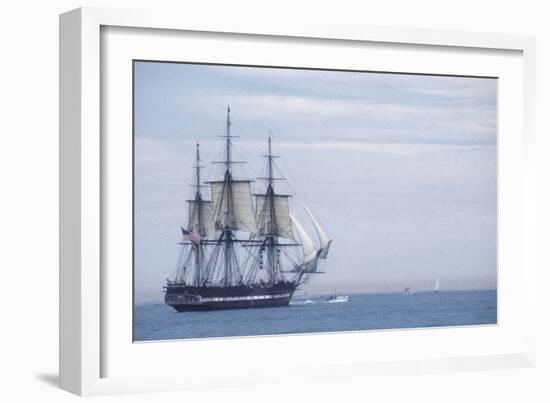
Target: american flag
{"points": [[194, 237]]}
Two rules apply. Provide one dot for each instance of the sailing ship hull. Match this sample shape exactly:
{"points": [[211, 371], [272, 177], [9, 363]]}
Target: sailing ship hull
{"points": [[188, 298]]}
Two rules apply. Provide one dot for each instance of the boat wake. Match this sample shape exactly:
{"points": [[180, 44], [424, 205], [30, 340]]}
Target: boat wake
{"points": [[306, 302]]}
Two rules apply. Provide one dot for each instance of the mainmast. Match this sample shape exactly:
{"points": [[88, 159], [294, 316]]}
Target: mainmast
{"points": [[233, 211], [228, 142], [197, 246], [227, 231], [270, 161]]}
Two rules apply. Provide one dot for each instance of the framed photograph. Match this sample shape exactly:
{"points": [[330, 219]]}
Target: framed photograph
{"points": [[241, 197]]}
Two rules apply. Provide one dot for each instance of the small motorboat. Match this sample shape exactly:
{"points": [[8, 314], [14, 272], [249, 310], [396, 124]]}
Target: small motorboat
{"points": [[335, 298]]}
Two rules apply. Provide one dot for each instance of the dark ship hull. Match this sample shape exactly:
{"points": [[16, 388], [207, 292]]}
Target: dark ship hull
{"points": [[207, 298]]}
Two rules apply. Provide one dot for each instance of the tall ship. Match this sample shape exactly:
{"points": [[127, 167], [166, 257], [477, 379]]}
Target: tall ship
{"points": [[242, 249]]}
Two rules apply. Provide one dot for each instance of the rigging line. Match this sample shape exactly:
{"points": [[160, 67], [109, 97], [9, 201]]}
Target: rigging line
{"points": [[179, 263], [246, 263], [221, 147], [217, 170], [256, 261], [215, 152], [175, 271], [287, 251], [255, 144], [265, 168], [250, 253], [211, 264], [240, 168], [256, 266], [214, 268], [239, 274], [252, 275], [252, 141], [297, 194], [186, 265]]}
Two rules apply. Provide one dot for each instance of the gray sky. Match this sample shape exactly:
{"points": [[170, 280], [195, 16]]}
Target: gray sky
{"points": [[399, 169]]}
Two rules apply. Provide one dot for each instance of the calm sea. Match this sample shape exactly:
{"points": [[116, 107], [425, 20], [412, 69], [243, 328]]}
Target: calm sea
{"points": [[363, 312]]}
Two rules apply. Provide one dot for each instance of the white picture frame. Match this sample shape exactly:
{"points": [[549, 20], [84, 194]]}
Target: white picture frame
{"points": [[85, 343]]}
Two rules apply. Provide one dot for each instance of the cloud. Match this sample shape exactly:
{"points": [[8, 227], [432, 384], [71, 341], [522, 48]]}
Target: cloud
{"points": [[400, 170], [190, 100]]}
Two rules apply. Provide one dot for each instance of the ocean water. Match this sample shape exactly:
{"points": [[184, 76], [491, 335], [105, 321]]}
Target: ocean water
{"points": [[363, 312]]}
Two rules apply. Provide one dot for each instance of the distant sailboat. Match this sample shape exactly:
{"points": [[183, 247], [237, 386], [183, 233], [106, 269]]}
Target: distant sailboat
{"points": [[436, 286]]}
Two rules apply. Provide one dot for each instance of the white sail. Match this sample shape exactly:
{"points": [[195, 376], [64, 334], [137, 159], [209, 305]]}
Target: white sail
{"points": [[307, 244], [436, 286], [242, 212], [282, 215], [206, 220], [323, 239]]}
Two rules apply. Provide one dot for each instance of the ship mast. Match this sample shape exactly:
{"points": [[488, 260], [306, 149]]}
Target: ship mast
{"points": [[271, 236], [272, 227], [227, 232], [233, 211], [198, 203]]}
